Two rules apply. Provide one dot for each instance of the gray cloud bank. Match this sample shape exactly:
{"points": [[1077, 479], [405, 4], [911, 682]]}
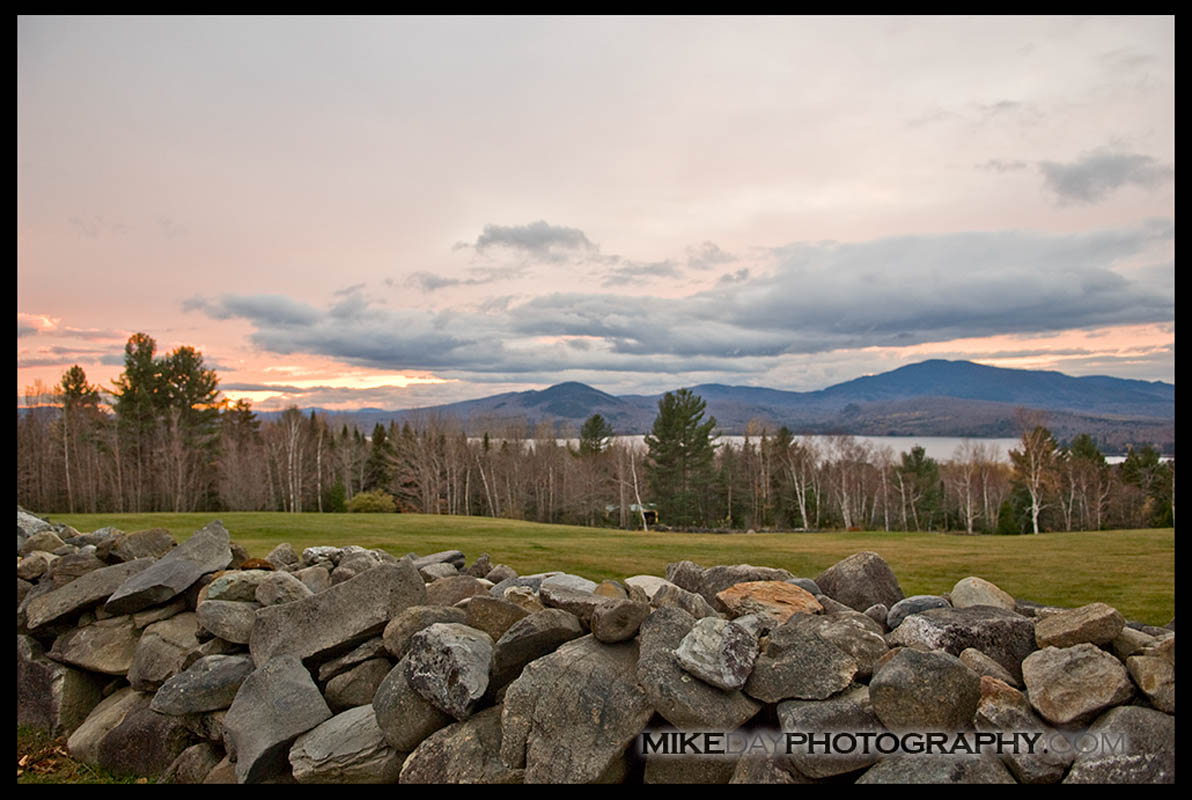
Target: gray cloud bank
{"points": [[812, 298], [1094, 177], [539, 240]]}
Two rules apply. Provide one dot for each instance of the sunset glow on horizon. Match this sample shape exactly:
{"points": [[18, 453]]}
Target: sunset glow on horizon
{"points": [[396, 212]]}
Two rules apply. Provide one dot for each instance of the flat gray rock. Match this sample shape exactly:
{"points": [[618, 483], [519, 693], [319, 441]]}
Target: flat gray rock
{"points": [[275, 705], [161, 650], [81, 593], [337, 618], [452, 557], [106, 646], [230, 620], [348, 748], [206, 551], [209, 684]]}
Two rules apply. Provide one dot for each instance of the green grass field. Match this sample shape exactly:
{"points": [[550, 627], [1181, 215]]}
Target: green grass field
{"points": [[1132, 570]]}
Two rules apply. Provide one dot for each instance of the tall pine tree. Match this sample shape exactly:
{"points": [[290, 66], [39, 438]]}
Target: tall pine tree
{"points": [[681, 454]]}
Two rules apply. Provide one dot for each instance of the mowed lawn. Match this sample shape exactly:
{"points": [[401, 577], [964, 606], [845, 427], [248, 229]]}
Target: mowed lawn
{"points": [[1132, 570]]}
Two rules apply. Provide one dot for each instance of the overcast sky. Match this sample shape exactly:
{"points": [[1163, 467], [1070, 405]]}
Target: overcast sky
{"points": [[397, 212]]}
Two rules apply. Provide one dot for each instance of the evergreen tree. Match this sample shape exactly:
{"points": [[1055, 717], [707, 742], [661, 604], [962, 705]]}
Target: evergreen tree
{"points": [[681, 453], [594, 436], [378, 470]]}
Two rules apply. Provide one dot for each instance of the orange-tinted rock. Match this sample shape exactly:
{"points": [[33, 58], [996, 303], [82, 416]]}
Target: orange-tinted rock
{"points": [[777, 600]]}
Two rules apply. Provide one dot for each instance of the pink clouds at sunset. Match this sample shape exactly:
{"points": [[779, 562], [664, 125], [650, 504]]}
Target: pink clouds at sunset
{"points": [[396, 212]]}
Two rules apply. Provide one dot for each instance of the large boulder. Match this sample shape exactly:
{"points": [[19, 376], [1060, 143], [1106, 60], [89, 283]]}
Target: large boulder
{"points": [[530, 638], [917, 691], [860, 581], [145, 743], [208, 550], [83, 744], [1096, 623], [465, 752], [683, 701], [571, 715], [1149, 755], [1004, 636], [1072, 685], [404, 716], [973, 591], [339, 617], [849, 712], [52, 696], [1004, 709], [449, 665], [799, 663], [777, 600]]}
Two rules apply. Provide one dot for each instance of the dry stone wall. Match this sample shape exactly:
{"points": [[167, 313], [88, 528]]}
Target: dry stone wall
{"points": [[196, 664]]}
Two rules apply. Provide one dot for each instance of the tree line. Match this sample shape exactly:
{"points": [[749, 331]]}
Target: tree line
{"points": [[167, 442]]}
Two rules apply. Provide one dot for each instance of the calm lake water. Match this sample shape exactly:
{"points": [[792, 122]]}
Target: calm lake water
{"points": [[941, 448]]}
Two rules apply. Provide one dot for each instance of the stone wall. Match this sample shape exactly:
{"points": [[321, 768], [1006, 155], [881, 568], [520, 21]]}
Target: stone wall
{"points": [[196, 664]]}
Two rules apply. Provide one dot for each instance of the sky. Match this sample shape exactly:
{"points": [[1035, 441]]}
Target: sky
{"points": [[398, 212]]}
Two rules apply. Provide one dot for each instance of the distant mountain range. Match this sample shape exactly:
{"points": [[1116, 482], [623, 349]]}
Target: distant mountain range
{"points": [[931, 398]]}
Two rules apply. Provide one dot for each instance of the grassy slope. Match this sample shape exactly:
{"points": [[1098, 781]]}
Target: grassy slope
{"points": [[1133, 570]]}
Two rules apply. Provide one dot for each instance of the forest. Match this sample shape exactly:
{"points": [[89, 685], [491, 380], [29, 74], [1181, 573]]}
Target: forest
{"points": [[162, 439]]}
